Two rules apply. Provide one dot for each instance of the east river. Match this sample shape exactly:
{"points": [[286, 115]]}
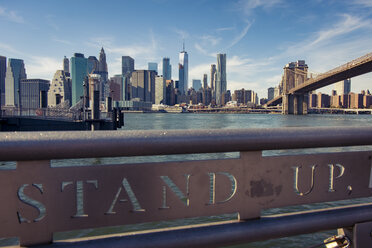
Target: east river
{"points": [[163, 121]]}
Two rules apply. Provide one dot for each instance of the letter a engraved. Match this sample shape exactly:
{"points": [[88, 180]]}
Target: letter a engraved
{"points": [[184, 198], [33, 203], [132, 197], [296, 169], [331, 175], [212, 186]]}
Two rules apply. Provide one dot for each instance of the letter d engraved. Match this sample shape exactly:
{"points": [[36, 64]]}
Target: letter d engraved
{"points": [[331, 175], [33, 203], [212, 186], [295, 186]]}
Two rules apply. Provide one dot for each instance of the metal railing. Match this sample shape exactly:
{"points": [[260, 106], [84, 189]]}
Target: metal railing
{"points": [[42, 200]]}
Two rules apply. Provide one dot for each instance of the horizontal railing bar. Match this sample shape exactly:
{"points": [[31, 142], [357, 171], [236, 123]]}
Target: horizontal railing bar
{"points": [[82, 144], [237, 233]]}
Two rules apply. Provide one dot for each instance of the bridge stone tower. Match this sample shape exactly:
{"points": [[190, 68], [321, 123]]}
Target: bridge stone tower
{"points": [[295, 73]]}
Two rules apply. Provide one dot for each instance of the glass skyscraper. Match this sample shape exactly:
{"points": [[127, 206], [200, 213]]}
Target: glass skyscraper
{"points": [[127, 67], [152, 66], [167, 69], [14, 74], [183, 71], [221, 77], [79, 71], [2, 78]]}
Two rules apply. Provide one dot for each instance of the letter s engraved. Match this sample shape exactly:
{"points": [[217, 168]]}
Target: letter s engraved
{"points": [[31, 202]]}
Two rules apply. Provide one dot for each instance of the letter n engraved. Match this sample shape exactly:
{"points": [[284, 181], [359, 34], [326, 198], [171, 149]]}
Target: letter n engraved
{"points": [[33, 203], [332, 176], [295, 186], [180, 195], [212, 187]]}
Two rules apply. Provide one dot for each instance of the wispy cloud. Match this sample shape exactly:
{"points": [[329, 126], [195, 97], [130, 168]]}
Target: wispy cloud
{"points": [[363, 3], [42, 67], [181, 33], [241, 35], [225, 29], [249, 5], [11, 15], [8, 49], [66, 42]]}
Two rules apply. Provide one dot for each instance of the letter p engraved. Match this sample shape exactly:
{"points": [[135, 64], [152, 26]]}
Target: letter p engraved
{"points": [[31, 202]]}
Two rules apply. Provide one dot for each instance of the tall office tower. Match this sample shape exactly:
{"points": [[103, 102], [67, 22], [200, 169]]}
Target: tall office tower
{"points": [[152, 66], [167, 69], [127, 67], [79, 68], [270, 93], [116, 87], [343, 87], [92, 66], [15, 72], [160, 90], [143, 85], [66, 65], [205, 81], [34, 93], [196, 84], [60, 89], [183, 71], [213, 81], [2, 79], [221, 77], [102, 70]]}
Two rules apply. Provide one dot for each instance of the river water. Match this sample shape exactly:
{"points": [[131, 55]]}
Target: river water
{"points": [[163, 121]]}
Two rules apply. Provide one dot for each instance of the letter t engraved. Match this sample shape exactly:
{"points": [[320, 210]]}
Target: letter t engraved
{"points": [[295, 186], [79, 196]]}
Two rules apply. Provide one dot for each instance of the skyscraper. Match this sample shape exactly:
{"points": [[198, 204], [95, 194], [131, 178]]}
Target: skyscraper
{"points": [[160, 90], [143, 85], [79, 68], [102, 70], [92, 64], [183, 71], [127, 67], [2, 79], [152, 66], [167, 69], [34, 93], [66, 65], [221, 77], [205, 81], [15, 72], [213, 81], [270, 93], [196, 84], [343, 87], [60, 89]]}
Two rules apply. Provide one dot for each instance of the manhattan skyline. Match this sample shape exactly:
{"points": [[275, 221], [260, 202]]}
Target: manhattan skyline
{"points": [[259, 37]]}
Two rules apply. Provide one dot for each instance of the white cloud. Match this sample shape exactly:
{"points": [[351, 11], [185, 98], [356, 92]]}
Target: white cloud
{"points": [[363, 3], [11, 15], [249, 5], [42, 67], [241, 35], [9, 49]]}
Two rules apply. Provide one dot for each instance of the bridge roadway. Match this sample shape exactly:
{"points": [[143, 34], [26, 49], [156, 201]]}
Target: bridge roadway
{"points": [[351, 69]]}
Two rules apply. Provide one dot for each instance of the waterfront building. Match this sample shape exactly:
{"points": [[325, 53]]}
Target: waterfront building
{"points": [[183, 71], [270, 93], [66, 65], [205, 81], [170, 93], [167, 69], [34, 93], [323, 100], [225, 97], [196, 84], [343, 87], [152, 66], [367, 101], [313, 100], [127, 67], [221, 77], [15, 72], [344, 100], [2, 79], [79, 68], [160, 90], [60, 89], [207, 96], [117, 91], [143, 85], [355, 100], [244, 96]]}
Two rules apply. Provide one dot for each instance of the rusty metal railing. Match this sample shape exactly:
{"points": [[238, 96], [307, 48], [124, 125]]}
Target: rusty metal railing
{"points": [[42, 200]]}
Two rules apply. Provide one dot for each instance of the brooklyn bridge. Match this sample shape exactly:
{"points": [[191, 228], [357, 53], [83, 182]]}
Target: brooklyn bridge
{"points": [[296, 84]]}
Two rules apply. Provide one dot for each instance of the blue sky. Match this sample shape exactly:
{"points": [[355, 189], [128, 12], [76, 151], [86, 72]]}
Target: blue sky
{"points": [[258, 36]]}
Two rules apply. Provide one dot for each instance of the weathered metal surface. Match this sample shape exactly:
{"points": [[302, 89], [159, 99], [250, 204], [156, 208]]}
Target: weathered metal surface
{"points": [[41, 200], [221, 235], [54, 145], [362, 235]]}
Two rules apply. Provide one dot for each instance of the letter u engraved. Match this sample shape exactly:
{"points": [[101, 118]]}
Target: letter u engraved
{"points": [[295, 186]]}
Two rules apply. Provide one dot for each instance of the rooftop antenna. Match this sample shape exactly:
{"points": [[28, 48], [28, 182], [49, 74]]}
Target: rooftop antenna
{"points": [[183, 45]]}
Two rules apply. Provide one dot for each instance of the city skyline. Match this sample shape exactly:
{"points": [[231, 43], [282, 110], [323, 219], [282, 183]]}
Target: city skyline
{"points": [[259, 37]]}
